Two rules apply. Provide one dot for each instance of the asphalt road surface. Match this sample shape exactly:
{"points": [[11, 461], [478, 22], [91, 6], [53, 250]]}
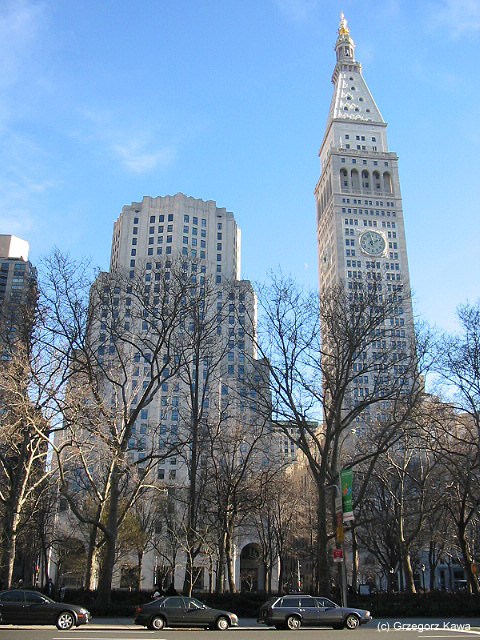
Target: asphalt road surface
{"points": [[123, 629]]}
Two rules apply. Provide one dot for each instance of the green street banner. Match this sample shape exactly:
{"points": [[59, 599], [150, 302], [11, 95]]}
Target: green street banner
{"points": [[346, 482]]}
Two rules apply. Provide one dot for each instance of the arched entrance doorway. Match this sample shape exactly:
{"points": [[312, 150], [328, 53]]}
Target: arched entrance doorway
{"points": [[252, 571]]}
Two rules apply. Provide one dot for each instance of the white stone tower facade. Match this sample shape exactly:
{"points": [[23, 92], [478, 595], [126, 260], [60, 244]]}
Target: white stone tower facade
{"points": [[360, 229]]}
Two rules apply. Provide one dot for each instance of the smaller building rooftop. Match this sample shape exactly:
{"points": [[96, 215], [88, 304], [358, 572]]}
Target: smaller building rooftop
{"points": [[13, 247]]}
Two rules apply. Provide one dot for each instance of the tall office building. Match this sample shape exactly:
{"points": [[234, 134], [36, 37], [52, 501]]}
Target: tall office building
{"points": [[204, 242], [17, 293], [360, 230], [171, 333]]}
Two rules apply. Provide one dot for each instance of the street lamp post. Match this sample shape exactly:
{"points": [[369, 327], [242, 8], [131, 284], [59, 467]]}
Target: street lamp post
{"points": [[339, 515], [423, 576], [392, 571], [339, 538]]}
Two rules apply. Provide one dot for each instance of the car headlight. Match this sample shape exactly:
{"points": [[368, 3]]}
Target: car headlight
{"points": [[367, 613], [234, 618]]}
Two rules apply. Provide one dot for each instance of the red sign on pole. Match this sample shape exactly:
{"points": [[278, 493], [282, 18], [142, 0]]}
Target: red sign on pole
{"points": [[337, 555]]}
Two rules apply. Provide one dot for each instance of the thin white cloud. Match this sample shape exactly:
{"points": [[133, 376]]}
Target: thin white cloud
{"points": [[23, 169], [458, 17], [15, 215], [135, 158], [137, 149], [21, 22], [298, 10], [19, 197]]}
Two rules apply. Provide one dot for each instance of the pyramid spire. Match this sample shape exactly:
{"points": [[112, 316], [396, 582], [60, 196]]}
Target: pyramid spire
{"points": [[351, 98]]}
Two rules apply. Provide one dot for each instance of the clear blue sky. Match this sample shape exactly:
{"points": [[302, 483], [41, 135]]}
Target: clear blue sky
{"points": [[103, 102]]}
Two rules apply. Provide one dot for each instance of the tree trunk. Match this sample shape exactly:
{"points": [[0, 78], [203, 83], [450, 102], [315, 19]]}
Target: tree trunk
{"points": [[432, 563], [230, 567], [405, 560], [323, 568], [281, 574], [267, 574], [45, 561], [11, 519], [92, 554], [408, 572], [220, 582], [9, 544], [13, 507], [140, 556], [108, 561]]}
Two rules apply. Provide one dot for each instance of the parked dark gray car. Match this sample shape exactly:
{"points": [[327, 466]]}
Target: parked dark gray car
{"points": [[20, 606], [294, 611], [177, 611]]}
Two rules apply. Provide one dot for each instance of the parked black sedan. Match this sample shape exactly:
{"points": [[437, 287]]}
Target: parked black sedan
{"points": [[19, 606], [294, 611], [179, 611]]}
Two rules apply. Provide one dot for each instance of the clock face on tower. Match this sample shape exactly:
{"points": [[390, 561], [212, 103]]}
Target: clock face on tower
{"points": [[372, 243]]}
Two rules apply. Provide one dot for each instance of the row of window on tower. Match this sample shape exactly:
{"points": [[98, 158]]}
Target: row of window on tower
{"points": [[354, 180]]}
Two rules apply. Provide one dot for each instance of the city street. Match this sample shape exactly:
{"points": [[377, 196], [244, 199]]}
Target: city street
{"points": [[123, 629]]}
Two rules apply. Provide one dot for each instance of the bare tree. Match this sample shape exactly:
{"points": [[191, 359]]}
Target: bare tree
{"points": [[167, 531], [118, 341], [399, 491], [28, 381], [458, 364], [212, 401], [237, 449], [23, 453], [335, 365], [283, 524], [456, 446], [202, 355]]}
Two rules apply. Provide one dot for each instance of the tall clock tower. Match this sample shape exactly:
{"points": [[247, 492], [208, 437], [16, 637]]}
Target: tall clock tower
{"points": [[360, 230]]}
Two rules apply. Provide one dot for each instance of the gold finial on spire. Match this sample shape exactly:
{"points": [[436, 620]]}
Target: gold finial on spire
{"points": [[343, 29]]}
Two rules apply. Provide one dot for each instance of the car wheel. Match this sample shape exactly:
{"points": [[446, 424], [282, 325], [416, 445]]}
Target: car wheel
{"points": [[221, 624], [65, 621], [156, 623], [293, 623], [352, 621]]}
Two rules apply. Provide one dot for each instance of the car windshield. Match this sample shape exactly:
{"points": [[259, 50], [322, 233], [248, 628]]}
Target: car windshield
{"points": [[35, 598], [193, 603], [326, 603], [269, 603]]}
